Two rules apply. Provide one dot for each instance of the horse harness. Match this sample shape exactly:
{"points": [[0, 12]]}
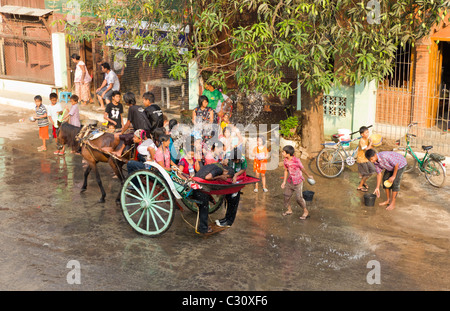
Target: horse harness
{"points": [[89, 133]]}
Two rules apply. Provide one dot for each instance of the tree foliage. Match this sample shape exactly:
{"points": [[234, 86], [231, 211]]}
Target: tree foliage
{"points": [[254, 42]]}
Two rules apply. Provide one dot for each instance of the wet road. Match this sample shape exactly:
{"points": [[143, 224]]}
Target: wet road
{"points": [[45, 223]]}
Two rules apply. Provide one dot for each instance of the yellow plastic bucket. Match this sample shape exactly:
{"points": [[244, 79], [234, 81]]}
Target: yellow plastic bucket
{"points": [[377, 140]]}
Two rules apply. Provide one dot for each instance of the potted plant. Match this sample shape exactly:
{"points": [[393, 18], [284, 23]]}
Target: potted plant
{"points": [[288, 127], [288, 131]]}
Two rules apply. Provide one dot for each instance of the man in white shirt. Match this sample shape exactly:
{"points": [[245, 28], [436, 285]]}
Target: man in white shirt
{"points": [[110, 83]]}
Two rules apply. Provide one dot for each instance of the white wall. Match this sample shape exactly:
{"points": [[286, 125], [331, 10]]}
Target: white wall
{"points": [[59, 59]]}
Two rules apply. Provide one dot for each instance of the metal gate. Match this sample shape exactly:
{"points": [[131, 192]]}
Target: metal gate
{"points": [[397, 107]]}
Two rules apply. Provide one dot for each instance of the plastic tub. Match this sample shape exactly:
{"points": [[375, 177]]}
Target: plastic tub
{"points": [[308, 195], [344, 135], [369, 199]]}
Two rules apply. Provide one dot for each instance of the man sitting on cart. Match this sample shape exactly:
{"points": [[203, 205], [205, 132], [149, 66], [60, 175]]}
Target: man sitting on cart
{"points": [[238, 164], [218, 171], [211, 172]]}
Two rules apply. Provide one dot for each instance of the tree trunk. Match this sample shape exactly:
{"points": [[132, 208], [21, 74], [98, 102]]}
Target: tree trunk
{"points": [[311, 118]]}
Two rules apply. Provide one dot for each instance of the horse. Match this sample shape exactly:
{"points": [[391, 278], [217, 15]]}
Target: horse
{"points": [[91, 151]]}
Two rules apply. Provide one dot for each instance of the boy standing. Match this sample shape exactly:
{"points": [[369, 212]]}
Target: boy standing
{"points": [[74, 112], [152, 111], [293, 168], [54, 110], [113, 111], [365, 167], [42, 119], [73, 117]]}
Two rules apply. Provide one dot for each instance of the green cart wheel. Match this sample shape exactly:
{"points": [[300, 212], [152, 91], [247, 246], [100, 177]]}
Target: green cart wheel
{"points": [[147, 203], [214, 204]]}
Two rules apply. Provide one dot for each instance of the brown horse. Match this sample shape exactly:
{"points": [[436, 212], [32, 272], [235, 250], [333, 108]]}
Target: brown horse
{"points": [[91, 151]]}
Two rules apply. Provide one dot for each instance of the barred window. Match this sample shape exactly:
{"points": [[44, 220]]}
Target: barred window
{"points": [[335, 106]]}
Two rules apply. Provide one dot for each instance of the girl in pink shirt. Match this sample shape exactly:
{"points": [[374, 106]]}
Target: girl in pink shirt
{"points": [[162, 154], [293, 168]]}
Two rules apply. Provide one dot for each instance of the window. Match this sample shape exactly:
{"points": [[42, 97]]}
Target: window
{"points": [[401, 75], [335, 106]]}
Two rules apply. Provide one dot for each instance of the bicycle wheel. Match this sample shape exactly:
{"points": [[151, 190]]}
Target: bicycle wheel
{"points": [[434, 172], [411, 162], [330, 163]]}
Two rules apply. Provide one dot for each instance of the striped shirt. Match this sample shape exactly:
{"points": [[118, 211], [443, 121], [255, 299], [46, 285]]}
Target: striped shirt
{"points": [[40, 111], [387, 160]]}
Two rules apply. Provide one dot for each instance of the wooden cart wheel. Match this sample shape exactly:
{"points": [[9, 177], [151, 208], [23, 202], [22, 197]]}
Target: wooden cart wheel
{"points": [[214, 204], [147, 203]]}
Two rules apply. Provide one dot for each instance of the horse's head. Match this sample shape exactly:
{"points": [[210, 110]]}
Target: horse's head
{"points": [[66, 135]]}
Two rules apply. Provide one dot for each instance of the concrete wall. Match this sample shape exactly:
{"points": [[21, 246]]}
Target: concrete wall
{"points": [[24, 87], [333, 123], [361, 108], [365, 101]]}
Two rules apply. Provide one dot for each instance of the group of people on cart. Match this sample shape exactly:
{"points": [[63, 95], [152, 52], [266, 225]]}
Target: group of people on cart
{"points": [[202, 153]]}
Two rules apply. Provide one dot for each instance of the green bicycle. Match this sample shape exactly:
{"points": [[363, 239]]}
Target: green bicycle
{"points": [[431, 164]]}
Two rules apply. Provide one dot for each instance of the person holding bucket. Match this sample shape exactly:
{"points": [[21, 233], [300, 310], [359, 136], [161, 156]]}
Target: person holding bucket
{"points": [[394, 165], [365, 167], [293, 168]]}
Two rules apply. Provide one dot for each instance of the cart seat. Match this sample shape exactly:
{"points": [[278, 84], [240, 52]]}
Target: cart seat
{"points": [[427, 147]]}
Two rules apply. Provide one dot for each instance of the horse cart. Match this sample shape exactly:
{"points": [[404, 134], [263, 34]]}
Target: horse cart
{"points": [[150, 196]]}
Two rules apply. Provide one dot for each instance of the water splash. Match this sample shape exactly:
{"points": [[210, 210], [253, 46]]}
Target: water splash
{"points": [[253, 106]]}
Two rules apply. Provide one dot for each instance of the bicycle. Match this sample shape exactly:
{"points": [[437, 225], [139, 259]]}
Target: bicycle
{"points": [[431, 164], [331, 162]]}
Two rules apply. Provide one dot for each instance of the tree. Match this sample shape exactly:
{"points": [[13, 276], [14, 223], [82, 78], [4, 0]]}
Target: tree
{"points": [[252, 42]]}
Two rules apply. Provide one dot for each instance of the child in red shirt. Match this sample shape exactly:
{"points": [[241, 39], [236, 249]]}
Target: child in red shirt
{"points": [[293, 168]]}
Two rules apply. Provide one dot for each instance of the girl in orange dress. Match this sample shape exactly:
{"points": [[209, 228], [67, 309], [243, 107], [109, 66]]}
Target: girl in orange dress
{"points": [[260, 154]]}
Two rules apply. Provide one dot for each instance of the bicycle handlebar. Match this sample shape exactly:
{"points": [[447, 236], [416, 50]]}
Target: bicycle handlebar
{"points": [[358, 130]]}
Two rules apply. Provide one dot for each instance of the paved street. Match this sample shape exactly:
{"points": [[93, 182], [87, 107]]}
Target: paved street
{"points": [[45, 223]]}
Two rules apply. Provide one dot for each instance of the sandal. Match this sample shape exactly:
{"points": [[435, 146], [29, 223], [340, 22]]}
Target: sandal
{"points": [[287, 213], [209, 231], [304, 217], [41, 149], [61, 153], [363, 189]]}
